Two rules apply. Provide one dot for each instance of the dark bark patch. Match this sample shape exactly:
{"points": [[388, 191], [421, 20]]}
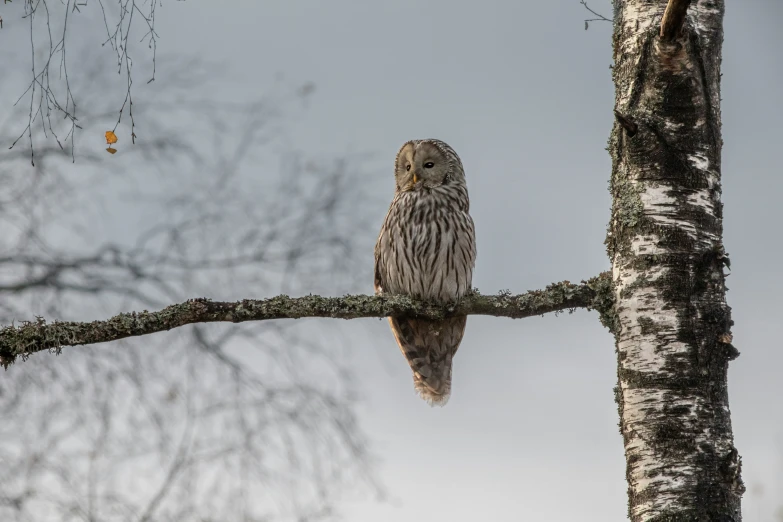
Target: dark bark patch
{"points": [[672, 439]]}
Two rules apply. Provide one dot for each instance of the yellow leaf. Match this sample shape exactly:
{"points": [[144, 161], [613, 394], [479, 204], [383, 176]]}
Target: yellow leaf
{"points": [[111, 137], [112, 151]]}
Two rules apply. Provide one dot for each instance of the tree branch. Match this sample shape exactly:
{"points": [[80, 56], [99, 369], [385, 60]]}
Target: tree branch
{"points": [[673, 19], [627, 123], [31, 337]]}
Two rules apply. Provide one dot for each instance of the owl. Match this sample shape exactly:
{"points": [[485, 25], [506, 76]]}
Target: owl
{"points": [[427, 250]]}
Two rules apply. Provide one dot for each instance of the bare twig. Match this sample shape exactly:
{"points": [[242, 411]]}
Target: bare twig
{"points": [[600, 17], [43, 90], [36, 336], [673, 18]]}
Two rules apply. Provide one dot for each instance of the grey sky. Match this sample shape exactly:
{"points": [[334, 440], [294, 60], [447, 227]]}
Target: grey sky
{"points": [[524, 95]]}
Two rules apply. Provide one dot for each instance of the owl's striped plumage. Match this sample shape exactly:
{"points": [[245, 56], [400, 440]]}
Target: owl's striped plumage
{"points": [[427, 249]]}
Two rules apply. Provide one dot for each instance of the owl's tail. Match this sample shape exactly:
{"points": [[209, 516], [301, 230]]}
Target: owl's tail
{"points": [[429, 347]]}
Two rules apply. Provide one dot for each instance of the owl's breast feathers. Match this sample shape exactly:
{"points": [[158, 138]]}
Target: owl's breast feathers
{"points": [[427, 246]]}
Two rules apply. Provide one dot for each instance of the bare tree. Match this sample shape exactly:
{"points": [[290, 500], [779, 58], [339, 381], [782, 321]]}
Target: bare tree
{"points": [[665, 302], [179, 427]]}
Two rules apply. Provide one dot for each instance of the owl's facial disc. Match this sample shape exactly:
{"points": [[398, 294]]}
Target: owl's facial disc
{"points": [[421, 165]]}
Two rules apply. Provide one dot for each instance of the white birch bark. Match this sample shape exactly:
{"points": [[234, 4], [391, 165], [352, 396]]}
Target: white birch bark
{"points": [[672, 323]]}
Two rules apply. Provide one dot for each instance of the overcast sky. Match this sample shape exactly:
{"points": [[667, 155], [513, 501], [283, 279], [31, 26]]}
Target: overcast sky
{"points": [[523, 93]]}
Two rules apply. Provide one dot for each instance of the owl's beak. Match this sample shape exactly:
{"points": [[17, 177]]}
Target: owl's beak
{"points": [[415, 178]]}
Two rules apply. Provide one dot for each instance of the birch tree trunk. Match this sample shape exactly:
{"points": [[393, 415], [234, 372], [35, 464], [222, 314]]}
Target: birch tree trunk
{"points": [[672, 323]]}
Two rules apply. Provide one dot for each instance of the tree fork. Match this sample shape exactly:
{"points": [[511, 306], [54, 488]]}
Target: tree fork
{"points": [[672, 327], [31, 337]]}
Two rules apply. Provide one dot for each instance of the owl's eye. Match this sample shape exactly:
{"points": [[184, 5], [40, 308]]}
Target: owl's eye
{"points": [[429, 165], [407, 167]]}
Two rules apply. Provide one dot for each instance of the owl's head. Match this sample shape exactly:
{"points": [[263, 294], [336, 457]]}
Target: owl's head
{"points": [[427, 163]]}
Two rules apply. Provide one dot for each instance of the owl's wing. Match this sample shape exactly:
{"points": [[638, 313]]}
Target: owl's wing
{"points": [[378, 282], [382, 247]]}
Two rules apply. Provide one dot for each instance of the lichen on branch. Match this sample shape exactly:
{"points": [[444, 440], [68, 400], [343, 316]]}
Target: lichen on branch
{"points": [[38, 335]]}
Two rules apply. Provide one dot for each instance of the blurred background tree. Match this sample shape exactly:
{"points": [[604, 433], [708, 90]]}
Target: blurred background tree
{"points": [[212, 423]]}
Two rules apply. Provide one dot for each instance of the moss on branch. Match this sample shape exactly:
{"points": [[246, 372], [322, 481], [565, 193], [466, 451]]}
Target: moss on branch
{"points": [[38, 335]]}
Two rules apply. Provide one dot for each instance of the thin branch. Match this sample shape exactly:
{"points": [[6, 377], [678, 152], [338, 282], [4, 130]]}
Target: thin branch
{"points": [[600, 17], [36, 336], [177, 466], [673, 19]]}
